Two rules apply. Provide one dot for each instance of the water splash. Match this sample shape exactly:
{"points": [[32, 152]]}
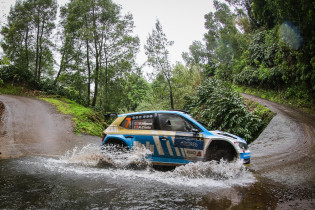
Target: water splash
{"points": [[109, 156], [89, 155], [110, 164], [218, 171], [120, 158], [209, 175]]}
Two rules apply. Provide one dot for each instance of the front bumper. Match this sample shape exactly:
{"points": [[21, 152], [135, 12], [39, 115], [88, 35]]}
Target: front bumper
{"points": [[245, 157]]}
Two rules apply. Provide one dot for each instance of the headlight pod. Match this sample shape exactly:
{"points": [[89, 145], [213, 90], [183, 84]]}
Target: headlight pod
{"points": [[242, 145]]}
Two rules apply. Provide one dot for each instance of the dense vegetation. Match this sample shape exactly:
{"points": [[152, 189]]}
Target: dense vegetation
{"points": [[256, 44]]}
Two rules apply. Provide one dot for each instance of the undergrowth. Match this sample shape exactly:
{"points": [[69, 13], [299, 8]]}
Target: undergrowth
{"points": [[218, 106], [10, 90]]}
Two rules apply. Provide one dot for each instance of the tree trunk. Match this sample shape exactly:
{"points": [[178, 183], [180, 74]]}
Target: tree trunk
{"points": [[26, 50], [96, 60], [40, 51], [61, 66], [171, 93], [106, 85], [37, 49]]}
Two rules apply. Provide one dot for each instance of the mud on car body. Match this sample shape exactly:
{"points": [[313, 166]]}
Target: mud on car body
{"points": [[174, 138]]}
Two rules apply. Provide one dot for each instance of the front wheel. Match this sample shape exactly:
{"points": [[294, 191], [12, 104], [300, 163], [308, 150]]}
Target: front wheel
{"points": [[219, 154]]}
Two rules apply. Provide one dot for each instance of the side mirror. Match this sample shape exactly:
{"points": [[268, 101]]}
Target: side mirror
{"points": [[107, 116], [195, 131], [167, 122]]}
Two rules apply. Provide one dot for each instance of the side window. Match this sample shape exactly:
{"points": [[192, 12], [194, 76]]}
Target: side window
{"points": [[138, 122], [172, 122]]}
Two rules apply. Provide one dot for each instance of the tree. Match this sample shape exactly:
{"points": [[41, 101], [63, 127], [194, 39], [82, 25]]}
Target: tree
{"points": [[157, 52], [97, 30], [27, 35], [197, 54]]}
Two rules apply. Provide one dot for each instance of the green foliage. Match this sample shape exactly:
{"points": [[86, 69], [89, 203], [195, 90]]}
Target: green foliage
{"points": [[87, 121], [220, 107], [98, 50], [156, 48], [185, 81], [9, 89], [27, 36], [261, 112], [262, 44], [13, 74]]}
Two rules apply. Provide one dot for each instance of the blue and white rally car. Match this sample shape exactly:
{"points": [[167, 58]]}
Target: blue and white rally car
{"points": [[174, 138]]}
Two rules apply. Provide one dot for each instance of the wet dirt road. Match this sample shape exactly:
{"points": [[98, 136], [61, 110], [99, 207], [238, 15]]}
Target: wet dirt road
{"points": [[33, 127], [45, 165], [284, 154]]}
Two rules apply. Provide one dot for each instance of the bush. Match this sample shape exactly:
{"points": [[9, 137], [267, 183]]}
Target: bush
{"points": [[218, 106], [10, 73]]}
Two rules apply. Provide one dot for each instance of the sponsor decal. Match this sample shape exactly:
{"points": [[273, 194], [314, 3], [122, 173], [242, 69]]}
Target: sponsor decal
{"points": [[143, 125], [186, 142], [193, 153], [245, 155]]}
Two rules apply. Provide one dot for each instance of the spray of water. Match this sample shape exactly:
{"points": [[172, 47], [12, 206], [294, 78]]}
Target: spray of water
{"points": [[123, 159], [109, 156], [218, 171], [110, 163]]}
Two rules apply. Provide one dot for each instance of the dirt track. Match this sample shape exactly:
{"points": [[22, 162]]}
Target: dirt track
{"points": [[285, 151], [284, 154], [33, 127]]}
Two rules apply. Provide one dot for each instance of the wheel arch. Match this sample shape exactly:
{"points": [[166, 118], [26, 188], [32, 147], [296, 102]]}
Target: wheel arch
{"points": [[116, 140], [217, 144]]}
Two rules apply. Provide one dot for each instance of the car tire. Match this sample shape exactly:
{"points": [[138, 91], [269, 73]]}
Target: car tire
{"points": [[219, 154]]}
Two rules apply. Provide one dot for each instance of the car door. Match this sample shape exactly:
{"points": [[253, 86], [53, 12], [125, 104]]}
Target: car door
{"points": [[183, 140], [143, 133]]}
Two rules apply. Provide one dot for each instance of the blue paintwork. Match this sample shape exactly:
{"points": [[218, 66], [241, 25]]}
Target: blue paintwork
{"points": [[245, 155], [169, 160], [187, 142]]}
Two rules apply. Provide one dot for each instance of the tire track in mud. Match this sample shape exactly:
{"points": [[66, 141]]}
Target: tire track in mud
{"points": [[285, 150], [33, 127]]}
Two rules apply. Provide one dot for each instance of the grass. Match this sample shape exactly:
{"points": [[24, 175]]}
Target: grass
{"points": [[10, 90], [262, 112], [87, 121]]}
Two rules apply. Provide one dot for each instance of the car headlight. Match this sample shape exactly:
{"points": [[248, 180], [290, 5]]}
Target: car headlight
{"points": [[242, 145]]}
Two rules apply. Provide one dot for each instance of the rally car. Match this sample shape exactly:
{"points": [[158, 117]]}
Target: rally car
{"points": [[174, 138]]}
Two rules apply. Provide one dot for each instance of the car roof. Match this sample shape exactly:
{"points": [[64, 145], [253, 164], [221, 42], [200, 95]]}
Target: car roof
{"points": [[160, 111], [179, 112]]}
